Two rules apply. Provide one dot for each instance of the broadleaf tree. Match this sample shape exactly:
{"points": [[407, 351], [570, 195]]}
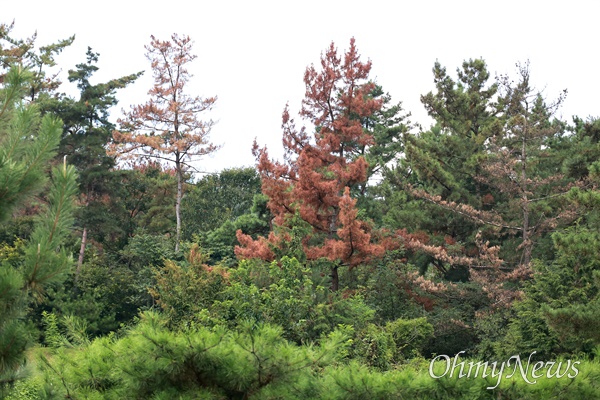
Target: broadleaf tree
{"points": [[169, 126]]}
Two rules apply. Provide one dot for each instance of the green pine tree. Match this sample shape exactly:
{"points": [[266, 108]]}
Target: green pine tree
{"points": [[44, 82], [27, 144], [86, 131]]}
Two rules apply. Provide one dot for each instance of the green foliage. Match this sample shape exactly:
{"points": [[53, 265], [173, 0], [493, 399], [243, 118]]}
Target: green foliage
{"points": [[86, 131], [393, 344], [39, 61], [448, 157], [152, 362], [216, 199], [53, 337], [145, 250], [558, 314], [220, 242], [579, 149], [183, 291], [575, 317], [106, 295], [409, 336], [273, 330], [388, 126], [27, 143], [12, 254], [30, 389], [68, 331], [291, 295], [139, 203], [43, 264], [385, 288], [285, 293], [255, 362], [112, 288], [375, 347]]}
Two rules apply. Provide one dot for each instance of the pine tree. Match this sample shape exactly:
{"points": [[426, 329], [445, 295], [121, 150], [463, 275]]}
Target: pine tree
{"points": [[524, 167], [27, 144], [577, 264], [86, 132], [168, 127], [444, 161], [39, 61], [491, 170], [316, 179]]}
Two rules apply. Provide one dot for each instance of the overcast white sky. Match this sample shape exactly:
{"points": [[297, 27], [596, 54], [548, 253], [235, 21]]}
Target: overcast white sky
{"points": [[252, 54]]}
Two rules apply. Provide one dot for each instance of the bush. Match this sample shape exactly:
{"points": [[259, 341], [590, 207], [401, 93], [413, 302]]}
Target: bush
{"points": [[409, 336]]}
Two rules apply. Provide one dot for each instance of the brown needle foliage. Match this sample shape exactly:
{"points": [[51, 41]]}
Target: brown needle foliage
{"points": [[315, 180], [168, 126]]}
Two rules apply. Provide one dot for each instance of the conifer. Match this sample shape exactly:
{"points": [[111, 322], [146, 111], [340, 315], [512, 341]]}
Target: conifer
{"points": [[27, 144]]}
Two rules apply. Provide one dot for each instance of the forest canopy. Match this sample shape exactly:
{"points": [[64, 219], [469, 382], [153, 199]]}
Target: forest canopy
{"points": [[348, 269]]}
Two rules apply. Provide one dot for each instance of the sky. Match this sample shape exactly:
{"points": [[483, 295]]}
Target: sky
{"points": [[252, 54]]}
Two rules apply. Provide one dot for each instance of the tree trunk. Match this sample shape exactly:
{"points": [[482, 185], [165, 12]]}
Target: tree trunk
{"points": [[335, 279], [525, 205], [178, 203], [81, 253]]}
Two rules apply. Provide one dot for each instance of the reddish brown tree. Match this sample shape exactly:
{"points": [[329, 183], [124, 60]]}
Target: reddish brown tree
{"points": [[168, 127], [314, 181]]}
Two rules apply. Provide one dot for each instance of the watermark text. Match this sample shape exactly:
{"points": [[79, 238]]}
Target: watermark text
{"points": [[528, 371]]}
